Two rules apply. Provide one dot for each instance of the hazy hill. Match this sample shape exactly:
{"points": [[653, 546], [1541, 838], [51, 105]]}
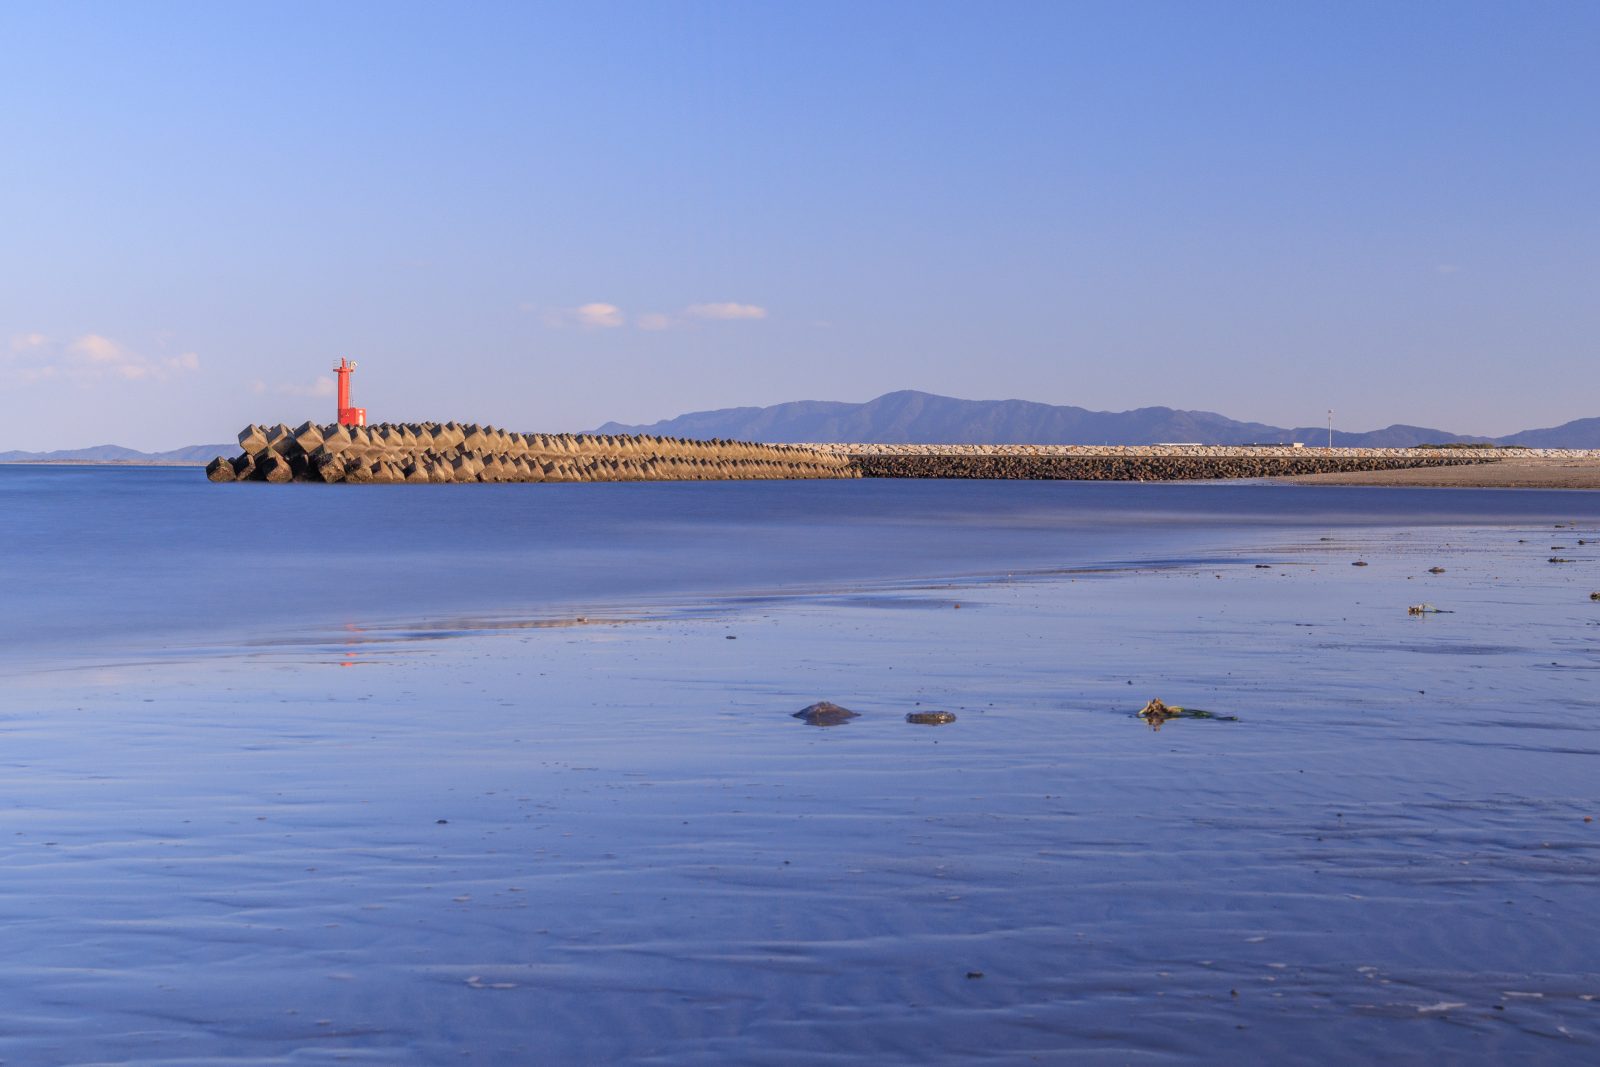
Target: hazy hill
{"points": [[909, 417], [118, 454], [1579, 433]]}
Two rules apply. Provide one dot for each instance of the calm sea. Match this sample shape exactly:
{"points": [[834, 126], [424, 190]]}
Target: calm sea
{"points": [[103, 559]]}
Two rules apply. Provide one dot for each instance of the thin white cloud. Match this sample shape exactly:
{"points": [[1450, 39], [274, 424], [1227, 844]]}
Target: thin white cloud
{"points": [[696, 314], [318, 388], [725, 312], [595, 315], [87, 360], [606, 315], [599, 315]]}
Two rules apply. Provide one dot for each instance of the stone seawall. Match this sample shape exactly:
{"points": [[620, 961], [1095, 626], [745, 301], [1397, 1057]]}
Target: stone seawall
{"points": [[455, 452], [1302, 452], [1136, 467]]}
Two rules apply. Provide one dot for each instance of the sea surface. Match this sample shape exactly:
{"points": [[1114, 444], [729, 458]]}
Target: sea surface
{"points": [[509, 774]]}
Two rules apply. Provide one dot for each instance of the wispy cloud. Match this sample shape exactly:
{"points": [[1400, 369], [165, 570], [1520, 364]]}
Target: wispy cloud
{"points": [[317, 388], [610, 316], [87, 360], [725, 312], [596, 315]]}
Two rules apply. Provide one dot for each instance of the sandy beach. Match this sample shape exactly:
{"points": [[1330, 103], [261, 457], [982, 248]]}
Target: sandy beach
{"points": [[1515, 472], [597, 833]]}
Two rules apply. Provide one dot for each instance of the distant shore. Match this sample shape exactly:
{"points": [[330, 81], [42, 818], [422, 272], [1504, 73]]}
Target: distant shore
{"points": [[1473, 468], [1512, 472]]}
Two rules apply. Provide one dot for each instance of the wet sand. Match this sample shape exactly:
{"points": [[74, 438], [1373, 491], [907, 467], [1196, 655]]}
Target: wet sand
{"points": [[1520, 472], [612, 842]]}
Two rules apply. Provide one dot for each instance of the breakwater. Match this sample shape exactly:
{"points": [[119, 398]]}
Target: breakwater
{"points": [[450, 452], [1135, 468], [393, 453]]}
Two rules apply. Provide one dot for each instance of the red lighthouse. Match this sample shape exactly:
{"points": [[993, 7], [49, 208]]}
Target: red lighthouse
{"points": [[348, 416]]}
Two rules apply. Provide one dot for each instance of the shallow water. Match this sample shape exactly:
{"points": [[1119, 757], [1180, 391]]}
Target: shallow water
{"points": [[226, 844]]}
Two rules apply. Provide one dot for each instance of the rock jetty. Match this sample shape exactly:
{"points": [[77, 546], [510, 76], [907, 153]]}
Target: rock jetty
{"points": [[392, 453], [1137, 463]]}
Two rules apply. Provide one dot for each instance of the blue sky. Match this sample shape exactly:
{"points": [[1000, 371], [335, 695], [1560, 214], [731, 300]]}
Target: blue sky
{"points": [[547, 216]]}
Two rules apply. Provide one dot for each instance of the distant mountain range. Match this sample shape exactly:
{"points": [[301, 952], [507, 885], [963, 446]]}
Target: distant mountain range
{"points": [[118, 454], [909, 417]]}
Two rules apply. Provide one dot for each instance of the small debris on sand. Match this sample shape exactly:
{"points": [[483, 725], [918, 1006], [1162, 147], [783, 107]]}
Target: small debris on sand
{"points": [[1359, 563], [1156, 714], [1558, 559], [931, 718], [1594, 596], [825, 713], [1435, 570], [1427, 609]]}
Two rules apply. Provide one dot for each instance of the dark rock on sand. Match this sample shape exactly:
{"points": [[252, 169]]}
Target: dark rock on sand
{"points": [[824, 713], [931, 718]]}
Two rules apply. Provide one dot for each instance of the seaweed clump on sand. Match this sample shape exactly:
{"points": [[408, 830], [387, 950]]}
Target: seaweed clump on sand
{"points": [[1157, 714], [931, 718]]}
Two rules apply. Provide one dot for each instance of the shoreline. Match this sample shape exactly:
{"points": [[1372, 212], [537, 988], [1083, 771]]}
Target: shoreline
{"points": [[1511, 472], [1453, 469]]}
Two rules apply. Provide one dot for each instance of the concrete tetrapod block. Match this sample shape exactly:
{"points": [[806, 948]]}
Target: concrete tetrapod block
{"points": [[276, 469], [326, 467], [335, 439], [279, 438], [356, 470], [220, 470], [253, 438], [308, 436], [243, 467]]}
